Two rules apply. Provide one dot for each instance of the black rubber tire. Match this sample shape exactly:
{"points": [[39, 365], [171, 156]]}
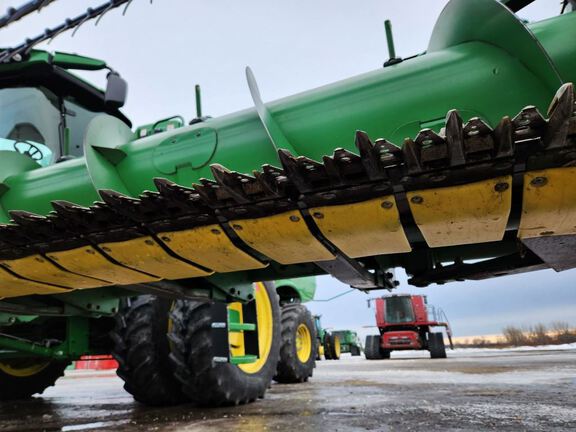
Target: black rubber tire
{"points": [[142, 349], [327, 347], [436, 345], [334, 354], [372, 349], [212, 384], [355, 350], [17, 388], [290, 368]]}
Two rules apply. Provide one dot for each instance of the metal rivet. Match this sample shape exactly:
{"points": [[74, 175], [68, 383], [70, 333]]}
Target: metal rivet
{"points": [[318, 215], [294, 218], [166, 239], [237, 227], [149, 242], [416, 199], [387, 205], [539, 181], [215, 231], [501, 187]]}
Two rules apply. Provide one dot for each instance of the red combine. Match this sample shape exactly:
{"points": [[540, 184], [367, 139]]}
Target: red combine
{"points": [[405, 322]]}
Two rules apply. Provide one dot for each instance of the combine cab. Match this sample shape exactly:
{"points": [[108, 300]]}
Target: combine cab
{"points": [[405, 322], [454, 164]]}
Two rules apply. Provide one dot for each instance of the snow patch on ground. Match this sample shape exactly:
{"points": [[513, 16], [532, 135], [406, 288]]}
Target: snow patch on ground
{"points": [[562, 347]]}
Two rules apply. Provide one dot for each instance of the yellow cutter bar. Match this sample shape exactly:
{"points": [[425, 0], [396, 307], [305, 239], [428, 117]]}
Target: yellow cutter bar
{"points": [[548, 203], [363, 229], [210, 247], [471, 213], [88, 261], [284, 237], [12, 286], [147, 255], [39, 269]]}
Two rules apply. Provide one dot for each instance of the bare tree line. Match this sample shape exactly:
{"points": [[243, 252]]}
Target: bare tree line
{"points": [[556, 333]]}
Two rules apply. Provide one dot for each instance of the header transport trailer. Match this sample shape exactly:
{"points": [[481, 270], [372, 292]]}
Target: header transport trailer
{"points": [[454, 164]]}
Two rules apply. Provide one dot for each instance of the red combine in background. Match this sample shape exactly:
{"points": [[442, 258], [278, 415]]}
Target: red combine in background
{"points": [[405, 322]]}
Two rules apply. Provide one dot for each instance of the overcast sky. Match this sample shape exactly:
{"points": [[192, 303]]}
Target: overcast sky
{"points": [[164, 49]]}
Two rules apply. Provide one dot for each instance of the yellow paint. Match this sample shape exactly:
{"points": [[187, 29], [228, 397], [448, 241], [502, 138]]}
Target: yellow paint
{"points": [[284, 237], [23, 368], [147, 255], [337, 348], [549, 209], [12, 286], [470, 213], [89, 262], [39, 269], [363, 229], [303, 343], [210, 247], [265, 328]]}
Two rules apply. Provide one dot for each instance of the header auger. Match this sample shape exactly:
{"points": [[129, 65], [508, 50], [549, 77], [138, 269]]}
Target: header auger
{"points": [[442, 164], [348, 206]]}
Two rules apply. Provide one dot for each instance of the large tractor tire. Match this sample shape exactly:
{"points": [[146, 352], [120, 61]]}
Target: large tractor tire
{"points": [[355, 350], [142, 350], [23, 377], [209, 383], [326, 347], [297, 352], [436, 345], [332, 348], [372, 349]]}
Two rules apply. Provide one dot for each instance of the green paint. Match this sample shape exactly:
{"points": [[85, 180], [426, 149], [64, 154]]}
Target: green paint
{"points": [[243, 359], [303, 288], [75, 345], [240, 327]]}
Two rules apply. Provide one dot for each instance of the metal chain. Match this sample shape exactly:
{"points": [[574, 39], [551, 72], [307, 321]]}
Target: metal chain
{"points": [[18, 52], [14, 14]]}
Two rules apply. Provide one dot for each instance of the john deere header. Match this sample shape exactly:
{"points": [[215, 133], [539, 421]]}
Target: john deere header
{"points": [[453, 155]]}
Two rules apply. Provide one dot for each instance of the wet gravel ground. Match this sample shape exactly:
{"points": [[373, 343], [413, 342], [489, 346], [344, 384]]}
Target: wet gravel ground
{"points": [[486, 390]]}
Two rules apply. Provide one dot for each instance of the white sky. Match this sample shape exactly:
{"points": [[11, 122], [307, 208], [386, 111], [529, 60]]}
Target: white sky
{"points": [[164, 49]]}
